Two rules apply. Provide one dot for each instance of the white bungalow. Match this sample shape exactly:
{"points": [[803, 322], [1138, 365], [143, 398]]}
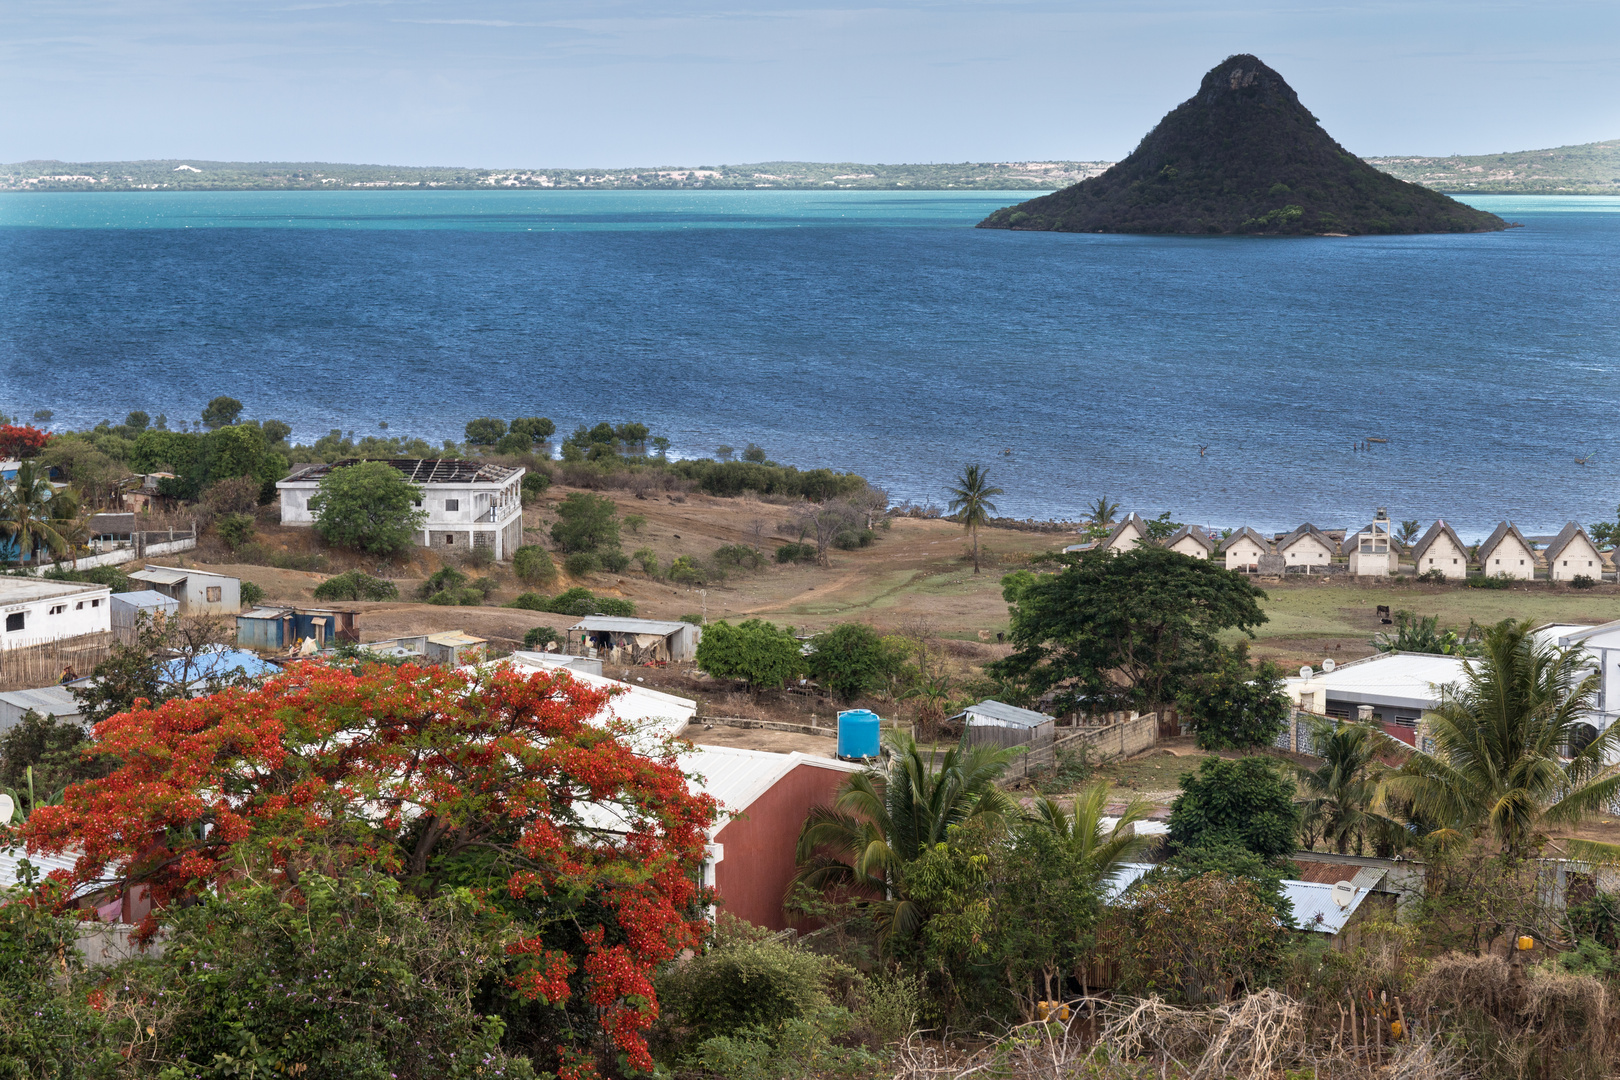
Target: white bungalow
{"points": [[1507, 553], [1372, 551], [1192, 542], [1572, 554], [1441, 549], [1305, 547], [1243, 550], [1122, 537]]}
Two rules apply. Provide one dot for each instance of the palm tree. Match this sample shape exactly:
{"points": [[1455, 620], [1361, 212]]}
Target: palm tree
{"points": [[25, 513], [885, 818], [1100, 848], [1102, 511], [1408, 532], [1341, 793], [970, 499], [1498, 767]]}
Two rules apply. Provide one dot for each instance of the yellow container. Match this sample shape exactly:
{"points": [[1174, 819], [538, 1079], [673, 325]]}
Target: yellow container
{"points": [[1526, 943], [1052, 1010], [1395, 1029]]}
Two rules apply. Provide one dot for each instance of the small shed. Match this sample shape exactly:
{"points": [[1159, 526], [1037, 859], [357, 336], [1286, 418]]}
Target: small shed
{"points": [[277, 629], [637, 641], [451, 647], [57, 701], [127, 608], [199, 592], [997, 724]]}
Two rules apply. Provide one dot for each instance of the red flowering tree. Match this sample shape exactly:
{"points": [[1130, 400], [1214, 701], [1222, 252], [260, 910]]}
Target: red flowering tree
{"points": [[21, 440], [421, 772]]}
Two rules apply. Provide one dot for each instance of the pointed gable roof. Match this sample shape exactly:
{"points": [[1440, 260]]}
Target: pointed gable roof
{"points": [[1301, 533], [1436, 531], [1132, 518], [1565, 537], [1246, 533], [1500, 533], [1199, 536]]}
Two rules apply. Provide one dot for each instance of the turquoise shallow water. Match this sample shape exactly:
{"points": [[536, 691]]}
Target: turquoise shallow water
{"points": [[869, 330]]}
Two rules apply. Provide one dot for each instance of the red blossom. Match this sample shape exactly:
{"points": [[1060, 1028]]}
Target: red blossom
{"points": [[22, 440]]}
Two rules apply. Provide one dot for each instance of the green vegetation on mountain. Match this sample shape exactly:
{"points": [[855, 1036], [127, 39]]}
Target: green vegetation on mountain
{"points": [[1587, 169], [1243, 156]]}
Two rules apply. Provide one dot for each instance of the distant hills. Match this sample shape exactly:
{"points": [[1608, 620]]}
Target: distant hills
{"points": [[1587, 169], [1243, 155]]}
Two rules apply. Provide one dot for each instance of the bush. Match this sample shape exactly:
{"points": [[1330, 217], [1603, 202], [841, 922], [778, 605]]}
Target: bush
{"points": [[235, 529], [647, 558], [739, 555], [534, 485], [466, 597], [692, 617], [581, 564], [615, 607], [577, 601], [613, 560], [529, 601], [1435, 576], [852, 659], [356, 585], [635, 523], [444, 580], [238, 495], [533, 565], [585, 522], [1247, 801], [683, 571], [755, 651], [485, 586], [538, 637], [796, 553], [252, 595], [1582, 581], [849, 539], [1498, 581]]}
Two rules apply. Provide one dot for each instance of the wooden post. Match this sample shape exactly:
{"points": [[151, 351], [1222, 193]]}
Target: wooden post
{"points": [[1400, 1014], [1355, 1034]]}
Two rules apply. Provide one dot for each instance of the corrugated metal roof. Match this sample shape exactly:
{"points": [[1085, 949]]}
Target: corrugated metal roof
{"points": [[1007, 715], [735, 777], [1314, 907], [612, 624], [218, 663], [45, 700], [43, 865], [1127, 875], [147, 599], [160, 575]]}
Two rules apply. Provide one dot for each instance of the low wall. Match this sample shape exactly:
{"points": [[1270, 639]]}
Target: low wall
{"points": [[124, 555], [1102, 743]]}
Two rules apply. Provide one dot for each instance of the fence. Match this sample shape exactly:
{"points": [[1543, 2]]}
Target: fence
{"points": [[42, 665], [1103, 743], [1299, 735]]}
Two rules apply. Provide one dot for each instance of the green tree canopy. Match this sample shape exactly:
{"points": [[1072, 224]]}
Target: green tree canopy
{"points": [[485, 431], [537, 429], [585, 522], [369, 506], [1247, 801], [221, 412], [759, 653], [851, 659], [1133, 626], [1237, 705]]}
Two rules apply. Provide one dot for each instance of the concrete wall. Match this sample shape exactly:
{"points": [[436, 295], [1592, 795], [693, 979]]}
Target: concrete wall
{"points": [[1445, 557], [72, 614], [1578, 557], [757, 862], [1308, 551], [1243, 554], [123, 555], [1117, 740], [1512, 559], [1188, 546]]}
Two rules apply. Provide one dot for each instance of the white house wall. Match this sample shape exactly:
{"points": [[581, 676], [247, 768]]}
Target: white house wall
{"points": [[1444, 556], [457, 530], [1578, 557], [1188, 546], [1510, 558], [55, 618]]}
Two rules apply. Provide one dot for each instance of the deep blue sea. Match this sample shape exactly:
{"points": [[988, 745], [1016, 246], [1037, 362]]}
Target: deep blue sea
{"points": [[873, 331]]}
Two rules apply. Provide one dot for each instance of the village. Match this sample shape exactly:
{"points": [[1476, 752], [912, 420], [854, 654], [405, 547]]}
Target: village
{"points": [[797, 662]]}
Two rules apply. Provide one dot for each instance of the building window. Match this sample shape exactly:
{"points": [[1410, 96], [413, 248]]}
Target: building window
{"points": [[79, 606], [95, 603], [214, 593], [452, 504], [14, 621], [57, 609], [449, 538]]}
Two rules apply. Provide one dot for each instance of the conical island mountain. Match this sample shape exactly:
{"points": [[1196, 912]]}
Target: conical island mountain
{"points": [[1243, 156]]}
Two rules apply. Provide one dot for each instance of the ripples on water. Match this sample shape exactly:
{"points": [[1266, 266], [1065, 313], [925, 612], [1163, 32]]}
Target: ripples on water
{"points": [[871, 331]]}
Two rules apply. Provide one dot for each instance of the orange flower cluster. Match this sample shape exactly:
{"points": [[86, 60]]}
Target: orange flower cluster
{"points": [[396, 767]]}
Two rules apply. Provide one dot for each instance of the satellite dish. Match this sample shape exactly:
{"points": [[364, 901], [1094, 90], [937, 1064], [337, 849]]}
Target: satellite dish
{"points": [[1305, 672], [7, 808], [1343, 893], [1328, 665]]}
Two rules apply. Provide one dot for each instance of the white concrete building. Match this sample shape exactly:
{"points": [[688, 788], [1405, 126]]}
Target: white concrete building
{"points": [[1441, 549], [1507, 553], [1306, 547], [1602, 646], [1243, 550], [196, 592], [469, 504], [1572, 554], [1398, 688], [1372, 551], [1123, 536], [38, 611], [1191, 541]]}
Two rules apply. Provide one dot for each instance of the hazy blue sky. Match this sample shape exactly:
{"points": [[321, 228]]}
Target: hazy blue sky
{"points": [[568, 83]]}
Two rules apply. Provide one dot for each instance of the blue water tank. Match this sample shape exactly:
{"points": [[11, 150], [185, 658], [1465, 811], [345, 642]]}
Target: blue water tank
{"points": [[858, 734]]}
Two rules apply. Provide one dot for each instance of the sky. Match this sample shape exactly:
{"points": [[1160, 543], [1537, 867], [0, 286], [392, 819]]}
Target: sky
{"points": [[616, 83]]}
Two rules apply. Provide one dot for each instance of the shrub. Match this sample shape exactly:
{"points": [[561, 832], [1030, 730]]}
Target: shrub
{"points": [[534, 485], [693, 618], [739, 555], [585, 522], [647, 558], [617, 608], [252, 595], [538, 637], [581, 601], [1497, 581], [1582, 581], [235, 529], [613, 560], [465, 597], [849, 539], [683, 571], [582, 563], [478, 557], [1247, 801], [533, 565], [852, 659], [356, 585], [1434, 576], [635, 522], [796, 553], [756, 652], [485, 585], [529, 601], [238, 495], [444, 580]]}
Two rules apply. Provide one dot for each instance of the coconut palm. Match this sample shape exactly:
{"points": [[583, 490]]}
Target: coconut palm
{"points": [[885, 818], [1102, 511], [25, 513], [1099, 847], [970, 500], [1498, 768], [1340, 795]]}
